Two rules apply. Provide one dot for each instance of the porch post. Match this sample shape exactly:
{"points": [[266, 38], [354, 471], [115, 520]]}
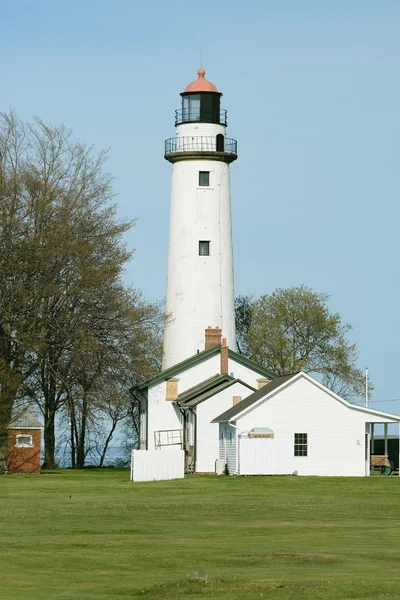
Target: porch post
{"points": [[385, 428], [372, 438]]}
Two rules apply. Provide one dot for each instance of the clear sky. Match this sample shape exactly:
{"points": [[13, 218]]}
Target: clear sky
{"points": [[312, 91]]}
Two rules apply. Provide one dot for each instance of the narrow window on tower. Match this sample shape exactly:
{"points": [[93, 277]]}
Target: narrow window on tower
{"points": [[204, 248], [204, 178]]}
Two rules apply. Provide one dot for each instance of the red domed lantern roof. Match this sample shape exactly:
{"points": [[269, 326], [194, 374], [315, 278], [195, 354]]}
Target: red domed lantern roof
{"points": [[200, 84]]}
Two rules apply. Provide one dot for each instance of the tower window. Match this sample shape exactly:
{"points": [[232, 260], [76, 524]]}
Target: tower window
{"points": [[204, 178], [204, 248]]}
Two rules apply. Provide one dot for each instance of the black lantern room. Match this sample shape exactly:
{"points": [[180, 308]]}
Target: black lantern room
{"points": [[201, 102]]}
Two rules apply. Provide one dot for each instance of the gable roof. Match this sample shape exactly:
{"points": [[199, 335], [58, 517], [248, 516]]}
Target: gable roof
{"points": [[200, 357], [25, 420], [195, 389], [241, 406], [268, 389], [207, 389]]}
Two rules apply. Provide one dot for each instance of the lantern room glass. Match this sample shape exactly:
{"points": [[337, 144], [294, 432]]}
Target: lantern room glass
{"points": [[191, 108]]}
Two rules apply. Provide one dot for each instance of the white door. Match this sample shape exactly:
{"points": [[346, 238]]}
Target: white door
{"points": [[264, 456]]}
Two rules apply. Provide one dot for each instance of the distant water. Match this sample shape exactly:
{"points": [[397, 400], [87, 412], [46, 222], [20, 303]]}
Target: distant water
{"points": [[115, 456]]}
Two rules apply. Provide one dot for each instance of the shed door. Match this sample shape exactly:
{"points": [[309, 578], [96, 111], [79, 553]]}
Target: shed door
{"points": [[264, 456]]}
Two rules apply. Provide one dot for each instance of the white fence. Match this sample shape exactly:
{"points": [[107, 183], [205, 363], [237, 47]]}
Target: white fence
{"points": [[155, 465]]}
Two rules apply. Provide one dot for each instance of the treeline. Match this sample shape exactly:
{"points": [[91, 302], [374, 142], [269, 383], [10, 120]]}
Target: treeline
{"points": [[73, 337]]}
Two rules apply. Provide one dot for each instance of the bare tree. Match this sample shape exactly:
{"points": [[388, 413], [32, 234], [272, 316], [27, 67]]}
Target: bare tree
{"points": [[61, 252]]}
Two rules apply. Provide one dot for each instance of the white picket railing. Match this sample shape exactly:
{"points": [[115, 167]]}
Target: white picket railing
{"points": [[156, 465]]}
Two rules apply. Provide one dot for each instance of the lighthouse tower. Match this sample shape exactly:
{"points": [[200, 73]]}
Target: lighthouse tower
{"points": [[200, 260]]}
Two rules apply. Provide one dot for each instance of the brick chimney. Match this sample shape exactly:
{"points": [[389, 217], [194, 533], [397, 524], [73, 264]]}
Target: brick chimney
{"points": [[236, 400], [213, 337], [224, 357]]}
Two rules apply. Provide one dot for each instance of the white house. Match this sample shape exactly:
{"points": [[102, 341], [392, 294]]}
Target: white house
{"points": [[294, 424], [178, 406]]}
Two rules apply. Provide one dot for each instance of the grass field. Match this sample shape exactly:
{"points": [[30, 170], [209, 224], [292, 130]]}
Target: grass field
{"points": [[94, 534]]}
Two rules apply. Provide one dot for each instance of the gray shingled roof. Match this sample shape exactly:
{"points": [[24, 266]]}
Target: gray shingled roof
{"points": [[208, 393], [264, 391], [198, 387], [25, 420]]}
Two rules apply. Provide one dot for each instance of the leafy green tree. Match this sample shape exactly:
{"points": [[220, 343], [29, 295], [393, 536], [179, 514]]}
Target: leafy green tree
{"points": [[61, 260], [293, 330], [243, 314]]}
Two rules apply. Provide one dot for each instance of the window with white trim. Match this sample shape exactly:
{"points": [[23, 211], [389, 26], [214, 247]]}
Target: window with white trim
{"points": [[24, 441], [300, 444]]}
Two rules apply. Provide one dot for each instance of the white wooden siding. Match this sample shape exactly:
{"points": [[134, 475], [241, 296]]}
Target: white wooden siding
{"points": [[207, 433], [336, 433], [231, 439], [198, 373], [227, 446], [244, 373], [164, 414]]}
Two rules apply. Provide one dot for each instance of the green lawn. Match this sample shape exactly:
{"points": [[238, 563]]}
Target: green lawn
{"points": [[94, 534]]}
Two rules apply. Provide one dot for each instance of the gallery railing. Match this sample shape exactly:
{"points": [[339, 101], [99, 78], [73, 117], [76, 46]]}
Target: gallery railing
{"points": [[201, 143], [193, 115]]}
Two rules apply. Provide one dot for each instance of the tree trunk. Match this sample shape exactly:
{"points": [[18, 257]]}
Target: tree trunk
{"points": [[108, 440], [8, 392], [50, 407], [80, 448], [49, 441]]}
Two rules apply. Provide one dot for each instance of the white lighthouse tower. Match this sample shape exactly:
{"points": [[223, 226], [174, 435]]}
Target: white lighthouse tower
{"points": [[200, 290]]}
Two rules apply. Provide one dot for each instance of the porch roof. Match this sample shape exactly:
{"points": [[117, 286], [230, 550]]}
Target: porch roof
{"points": [[208, 388]]}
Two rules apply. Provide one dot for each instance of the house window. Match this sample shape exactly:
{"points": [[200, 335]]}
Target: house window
{"points": [[300, 444], [204, 248], [204, 178], [24, 441]]}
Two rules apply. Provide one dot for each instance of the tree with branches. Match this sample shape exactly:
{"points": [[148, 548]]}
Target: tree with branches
{"points": [[62, 255], [293, 330]]}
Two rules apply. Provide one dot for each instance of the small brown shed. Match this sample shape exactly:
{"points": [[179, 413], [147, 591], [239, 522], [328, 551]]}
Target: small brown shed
{"points": [[24, 439]]}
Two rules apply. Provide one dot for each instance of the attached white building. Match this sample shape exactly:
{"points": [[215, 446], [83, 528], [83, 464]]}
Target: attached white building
{"points": [[295, 425], [178, 406]]}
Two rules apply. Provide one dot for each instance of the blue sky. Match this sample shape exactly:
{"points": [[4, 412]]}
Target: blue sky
{"points": [[312, 92]]}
